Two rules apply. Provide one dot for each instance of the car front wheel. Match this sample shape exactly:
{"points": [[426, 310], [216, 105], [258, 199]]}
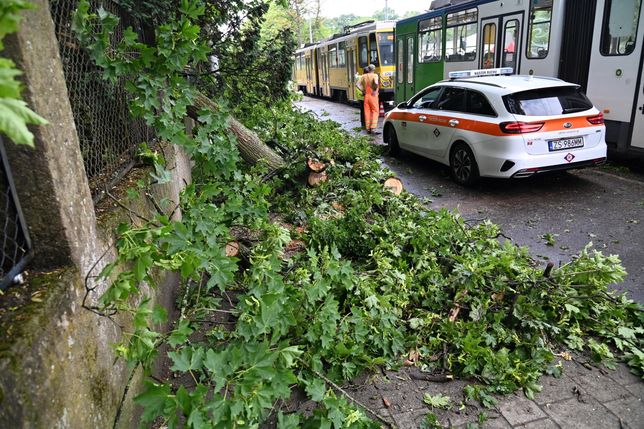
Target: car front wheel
{"points": [[392, 140], [463, 165]]}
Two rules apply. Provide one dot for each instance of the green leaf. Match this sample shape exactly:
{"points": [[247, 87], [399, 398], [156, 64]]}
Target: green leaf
{"points": [[187, 359], [316, 389], [287, 421], [290, 354], [153, 400], [437, 401], [181, 333], [14, 117]]}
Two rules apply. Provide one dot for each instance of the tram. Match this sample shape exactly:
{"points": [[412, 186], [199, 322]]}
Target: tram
{"points": [[327, 68], [598, 44]]}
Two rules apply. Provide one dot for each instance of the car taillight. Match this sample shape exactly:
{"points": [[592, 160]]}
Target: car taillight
{"points": [[521, 127], [597, 119]]}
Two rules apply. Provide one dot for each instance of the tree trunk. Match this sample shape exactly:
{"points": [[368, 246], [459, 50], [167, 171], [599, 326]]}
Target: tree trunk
{"points": [[251, 148]]}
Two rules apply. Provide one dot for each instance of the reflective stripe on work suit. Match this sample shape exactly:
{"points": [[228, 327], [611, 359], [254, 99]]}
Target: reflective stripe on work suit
{"points": [[371, 108]]}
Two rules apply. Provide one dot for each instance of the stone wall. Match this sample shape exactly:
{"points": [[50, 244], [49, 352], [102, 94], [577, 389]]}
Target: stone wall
{"points": [[57, 368]]}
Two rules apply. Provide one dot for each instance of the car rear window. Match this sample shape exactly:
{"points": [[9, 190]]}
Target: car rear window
{"points": [[547, 101]]}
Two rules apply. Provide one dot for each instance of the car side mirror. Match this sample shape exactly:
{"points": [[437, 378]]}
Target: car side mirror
{"points": [[402, 105]]}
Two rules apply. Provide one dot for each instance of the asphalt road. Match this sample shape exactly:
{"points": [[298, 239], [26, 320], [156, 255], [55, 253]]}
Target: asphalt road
{"points": [[604, 206]]}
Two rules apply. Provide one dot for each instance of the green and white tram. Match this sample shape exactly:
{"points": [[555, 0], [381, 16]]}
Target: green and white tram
{"points": [[595, 43]]}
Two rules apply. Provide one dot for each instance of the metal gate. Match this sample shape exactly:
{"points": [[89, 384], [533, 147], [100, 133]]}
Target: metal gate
{"points": [[16, 246]]}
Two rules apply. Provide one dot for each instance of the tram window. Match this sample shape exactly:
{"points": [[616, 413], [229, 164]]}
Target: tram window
{"points": [[333, 56], [539, 29], [619, 29], [401, 52], [489, 43], [510, 44], [342, 56], [386, 48], [461, 35], [364, 53], [429, 40], [410, 60], [373, 50]]}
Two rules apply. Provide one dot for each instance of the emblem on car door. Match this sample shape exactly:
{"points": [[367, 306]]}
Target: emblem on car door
{"points": [[567, 125], [436, 132]]}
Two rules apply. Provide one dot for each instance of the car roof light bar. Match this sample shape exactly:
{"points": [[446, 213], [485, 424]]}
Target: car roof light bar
{"points": [[480, 72]]}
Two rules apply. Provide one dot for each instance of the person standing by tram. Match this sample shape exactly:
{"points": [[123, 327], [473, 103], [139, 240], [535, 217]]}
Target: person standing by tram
{"points": [[369, 85], [360, 95]]}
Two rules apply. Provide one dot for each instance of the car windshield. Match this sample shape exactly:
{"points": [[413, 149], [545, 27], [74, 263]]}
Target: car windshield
{"points": [[547, 101]]}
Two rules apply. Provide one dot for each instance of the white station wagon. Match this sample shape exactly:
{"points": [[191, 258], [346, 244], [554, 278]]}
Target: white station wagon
{"points": [[493, 124]]}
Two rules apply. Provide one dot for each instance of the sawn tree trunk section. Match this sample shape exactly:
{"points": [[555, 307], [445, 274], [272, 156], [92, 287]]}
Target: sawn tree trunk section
{"points": [[251, 148]]}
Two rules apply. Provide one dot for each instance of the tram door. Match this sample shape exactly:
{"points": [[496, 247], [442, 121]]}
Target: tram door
{"points": [[351, 72], [638, 124], [500, 42], [637, 139], [400, 70], [408, 65]]}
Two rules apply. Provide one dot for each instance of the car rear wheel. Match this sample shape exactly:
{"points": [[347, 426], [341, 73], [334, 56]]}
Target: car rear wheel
{"points": [[392, 140], [463, 165]]}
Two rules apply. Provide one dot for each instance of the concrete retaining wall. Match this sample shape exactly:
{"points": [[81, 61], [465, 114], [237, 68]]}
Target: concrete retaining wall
{"points": [[57, 368]]}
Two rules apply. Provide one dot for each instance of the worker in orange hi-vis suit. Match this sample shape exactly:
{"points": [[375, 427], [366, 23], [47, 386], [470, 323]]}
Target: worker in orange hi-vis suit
{"points": [[369, 84]]}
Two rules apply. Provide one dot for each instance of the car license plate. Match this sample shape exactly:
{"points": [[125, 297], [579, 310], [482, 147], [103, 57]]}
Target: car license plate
{"points": [[561, 144]]}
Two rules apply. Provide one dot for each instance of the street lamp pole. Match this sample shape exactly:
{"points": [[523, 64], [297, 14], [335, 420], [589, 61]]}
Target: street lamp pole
{"points": [[386, 11]]}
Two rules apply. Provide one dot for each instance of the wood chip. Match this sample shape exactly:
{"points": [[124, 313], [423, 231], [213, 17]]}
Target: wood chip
{"points": [[315, 165], [316, 178], [394, 185], [339, 207]]}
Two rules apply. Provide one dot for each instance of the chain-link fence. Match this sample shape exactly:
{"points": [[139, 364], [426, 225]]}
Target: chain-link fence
{"points": [[109, 137], [13, 235]]}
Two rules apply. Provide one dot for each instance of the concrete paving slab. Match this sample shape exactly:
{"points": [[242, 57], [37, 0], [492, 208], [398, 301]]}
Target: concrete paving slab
{"points": [[630, 410], [492, 423], [369, 396], [601, 387], [409, 419], [539, 424], [623, 375], [572, 414], [554, 389], [636, 389], [470, 414], [517, 409]]}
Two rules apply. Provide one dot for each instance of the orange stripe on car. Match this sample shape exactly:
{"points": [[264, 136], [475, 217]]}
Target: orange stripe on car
{"points": [[490, 128]]}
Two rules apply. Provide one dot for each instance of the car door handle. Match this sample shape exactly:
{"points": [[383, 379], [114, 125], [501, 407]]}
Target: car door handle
{"points": [[453, 122], [421, 118]]}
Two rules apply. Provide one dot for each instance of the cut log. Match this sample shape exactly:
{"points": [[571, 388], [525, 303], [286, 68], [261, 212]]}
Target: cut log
{"points": [[316, 178], [232, 248], [251, 147], [394, 185], [315, 165]]}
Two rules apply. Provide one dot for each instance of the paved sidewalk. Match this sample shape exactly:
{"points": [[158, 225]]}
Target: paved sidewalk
{"points": [[584, 397]]}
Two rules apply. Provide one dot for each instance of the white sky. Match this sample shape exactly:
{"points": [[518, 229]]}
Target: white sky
{"points": [[332, 8]]}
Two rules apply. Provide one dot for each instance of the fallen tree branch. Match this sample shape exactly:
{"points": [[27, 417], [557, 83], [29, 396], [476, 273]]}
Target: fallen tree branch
{"points": [[251, 147]]}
